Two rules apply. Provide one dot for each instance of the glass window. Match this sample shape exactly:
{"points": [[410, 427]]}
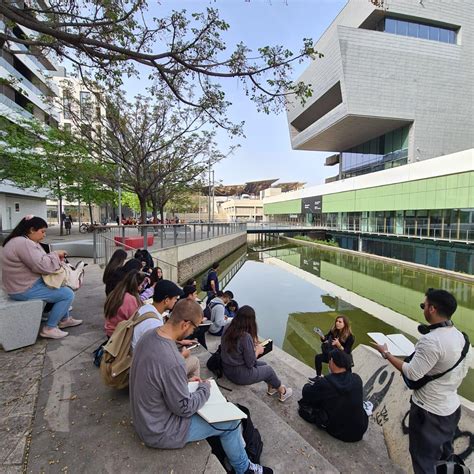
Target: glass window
{"points": [[413, 29], [434, 33], [423, 32], [402, 27], [390, 25], [17, 207], [452, 37], [444, 35]]}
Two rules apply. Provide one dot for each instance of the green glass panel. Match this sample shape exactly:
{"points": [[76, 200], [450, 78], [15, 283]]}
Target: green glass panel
{"points": [[405, 131], [388, 143]]}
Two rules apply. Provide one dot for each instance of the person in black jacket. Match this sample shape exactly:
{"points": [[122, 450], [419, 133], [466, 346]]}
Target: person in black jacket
{"points": [[335, 403], [339, 337]]}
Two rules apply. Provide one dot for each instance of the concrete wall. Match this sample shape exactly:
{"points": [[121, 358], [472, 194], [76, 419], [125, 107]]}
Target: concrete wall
{"points": [[9, 218], [185, 261], [384, 387]]}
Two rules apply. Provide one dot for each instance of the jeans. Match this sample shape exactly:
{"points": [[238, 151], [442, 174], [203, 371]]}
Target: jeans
{"points": [[232, 441], [60, 297]]}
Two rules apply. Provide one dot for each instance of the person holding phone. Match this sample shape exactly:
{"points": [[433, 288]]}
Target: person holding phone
{"points": [[339, 337], [24, 262]]}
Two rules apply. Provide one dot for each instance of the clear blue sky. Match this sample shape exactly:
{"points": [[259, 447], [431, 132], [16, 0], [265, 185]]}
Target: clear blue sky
{"points": [[266, 151]]}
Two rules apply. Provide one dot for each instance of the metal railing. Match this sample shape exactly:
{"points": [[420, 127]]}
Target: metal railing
{"points": [[237, 265], [153, 237], [461, 235]]}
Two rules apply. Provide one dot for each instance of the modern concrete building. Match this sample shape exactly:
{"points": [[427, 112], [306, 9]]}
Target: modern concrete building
{"points": [[394, 101]]}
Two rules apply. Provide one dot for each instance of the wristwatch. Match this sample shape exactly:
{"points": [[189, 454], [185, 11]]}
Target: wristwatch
{"points": [[386, 354]]}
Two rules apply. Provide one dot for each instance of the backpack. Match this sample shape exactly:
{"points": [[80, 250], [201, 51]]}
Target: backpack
{"points": [[205, 281], [117, 358], [208, 309], [252, 438], [214, 363]]}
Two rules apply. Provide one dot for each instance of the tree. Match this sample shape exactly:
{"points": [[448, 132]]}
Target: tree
{"points": [[185, 53], [151, 141], [36, 156]]}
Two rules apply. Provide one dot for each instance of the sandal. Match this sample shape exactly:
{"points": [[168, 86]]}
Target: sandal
{"points": [[288, 393], [272, 391]]}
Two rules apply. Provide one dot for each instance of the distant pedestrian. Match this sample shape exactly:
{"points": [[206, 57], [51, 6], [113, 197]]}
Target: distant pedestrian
{"points": [[212, 282], [117, 220], [68, 225]]}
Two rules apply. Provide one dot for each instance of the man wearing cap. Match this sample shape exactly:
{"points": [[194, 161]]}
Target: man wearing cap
{"points": [[165, 296], [335, 402]]}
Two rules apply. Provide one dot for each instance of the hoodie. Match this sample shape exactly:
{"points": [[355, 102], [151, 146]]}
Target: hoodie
{"points": [[340, 398]]}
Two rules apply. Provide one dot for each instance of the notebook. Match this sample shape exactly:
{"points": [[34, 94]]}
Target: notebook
{"points": [[397, 344], [217, 408]]}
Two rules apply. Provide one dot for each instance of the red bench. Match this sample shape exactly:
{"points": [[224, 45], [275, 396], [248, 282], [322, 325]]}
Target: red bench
{"points": [[133, 242]]}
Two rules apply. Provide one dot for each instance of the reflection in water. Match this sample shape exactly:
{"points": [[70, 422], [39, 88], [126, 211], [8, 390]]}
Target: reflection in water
{"points": [[289, 304]]}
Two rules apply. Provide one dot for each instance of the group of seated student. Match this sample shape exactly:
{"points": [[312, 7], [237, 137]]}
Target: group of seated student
{"points": [[24, 261], [165, 412]]}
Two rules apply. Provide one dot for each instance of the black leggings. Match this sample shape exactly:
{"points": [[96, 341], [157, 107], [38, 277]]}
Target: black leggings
{"points": [[318, 362]]}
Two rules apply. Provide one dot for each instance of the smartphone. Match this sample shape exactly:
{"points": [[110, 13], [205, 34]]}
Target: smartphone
{"points": [[192, 347], [319, 332]]}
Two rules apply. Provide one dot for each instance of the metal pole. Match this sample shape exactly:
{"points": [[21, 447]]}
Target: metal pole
{"points": [[213, 196], [209, 193], [119, 196]]}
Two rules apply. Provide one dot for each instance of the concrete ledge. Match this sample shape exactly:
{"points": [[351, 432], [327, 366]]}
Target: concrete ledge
{"points": [[19, 322]]}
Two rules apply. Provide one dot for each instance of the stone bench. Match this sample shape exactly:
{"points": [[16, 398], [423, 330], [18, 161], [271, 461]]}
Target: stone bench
{"points": [[19, 322], [75, 248]]}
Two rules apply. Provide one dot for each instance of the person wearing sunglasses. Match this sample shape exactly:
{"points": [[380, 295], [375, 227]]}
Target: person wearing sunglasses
{"points": [[434, 372]]}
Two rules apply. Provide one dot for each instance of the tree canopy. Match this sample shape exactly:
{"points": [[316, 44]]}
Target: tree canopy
{"points": [[184, 52]]}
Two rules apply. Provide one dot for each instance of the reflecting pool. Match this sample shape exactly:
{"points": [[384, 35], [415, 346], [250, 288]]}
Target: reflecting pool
{"points": [[295, 288]]}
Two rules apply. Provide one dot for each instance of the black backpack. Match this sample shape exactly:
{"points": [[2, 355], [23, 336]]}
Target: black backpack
{"points": [[252, 438], [214, 363], [205, 281], [208, 309]]}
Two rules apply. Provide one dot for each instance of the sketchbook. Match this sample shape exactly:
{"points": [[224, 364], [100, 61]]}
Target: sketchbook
{"points": [[397, 344], [217, 408]]}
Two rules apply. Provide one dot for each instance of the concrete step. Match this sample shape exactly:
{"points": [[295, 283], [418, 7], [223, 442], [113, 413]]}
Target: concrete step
{"points": [[367, 456]]}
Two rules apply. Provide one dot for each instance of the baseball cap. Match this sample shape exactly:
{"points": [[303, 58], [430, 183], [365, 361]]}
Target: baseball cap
{"points": [[166, 289]]}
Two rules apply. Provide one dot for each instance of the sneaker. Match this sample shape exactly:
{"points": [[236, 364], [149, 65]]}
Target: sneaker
{"points": [[257, 469], [69, 323], [315, 379], [288, 393], [52, 333]]}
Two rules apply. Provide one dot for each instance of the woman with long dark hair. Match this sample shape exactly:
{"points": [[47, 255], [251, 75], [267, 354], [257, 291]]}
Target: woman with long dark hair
{"points": [[240, 350], [119, 274], [123, 301], [24, 261], [339, 337], [116, 261]]}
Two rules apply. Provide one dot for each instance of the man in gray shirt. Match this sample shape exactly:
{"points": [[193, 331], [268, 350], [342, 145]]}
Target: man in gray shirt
{"points": [[164, 412]]}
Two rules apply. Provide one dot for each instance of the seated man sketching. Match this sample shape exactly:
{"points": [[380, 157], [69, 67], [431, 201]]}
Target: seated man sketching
{"points": [[164, 412], [335, 402], [218, 316], [165, 296]]}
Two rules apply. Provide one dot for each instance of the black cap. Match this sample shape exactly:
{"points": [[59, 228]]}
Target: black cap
{"points": [[166, 289], [341, 359]]}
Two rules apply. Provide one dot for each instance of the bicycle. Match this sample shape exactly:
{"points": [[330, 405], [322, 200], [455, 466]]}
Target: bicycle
{"points": [[85, 228]]}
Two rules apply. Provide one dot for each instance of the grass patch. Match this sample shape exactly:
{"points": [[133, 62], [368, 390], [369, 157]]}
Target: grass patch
{"points": [[331, 243]]}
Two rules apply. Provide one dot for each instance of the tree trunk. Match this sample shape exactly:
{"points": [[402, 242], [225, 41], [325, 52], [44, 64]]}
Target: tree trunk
{"points": [[90, 211], [143, 211], [162, 214], [61, 220]]}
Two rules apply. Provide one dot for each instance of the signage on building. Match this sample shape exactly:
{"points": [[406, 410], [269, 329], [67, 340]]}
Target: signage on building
{"points": [[312, 205]]}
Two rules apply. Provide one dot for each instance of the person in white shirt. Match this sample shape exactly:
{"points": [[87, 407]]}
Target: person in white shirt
{"points": [[165, 296], [435, 407]]}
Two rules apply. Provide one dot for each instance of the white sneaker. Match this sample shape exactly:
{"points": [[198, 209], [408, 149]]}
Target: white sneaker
{"points": [[69, 323], [52, 333]]}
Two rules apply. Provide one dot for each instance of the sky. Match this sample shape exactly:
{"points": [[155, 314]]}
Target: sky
{"points": [[266, 151]]}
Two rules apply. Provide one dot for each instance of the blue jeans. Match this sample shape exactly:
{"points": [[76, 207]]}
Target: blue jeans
{"points": [[61, 297], [232, 442]]}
